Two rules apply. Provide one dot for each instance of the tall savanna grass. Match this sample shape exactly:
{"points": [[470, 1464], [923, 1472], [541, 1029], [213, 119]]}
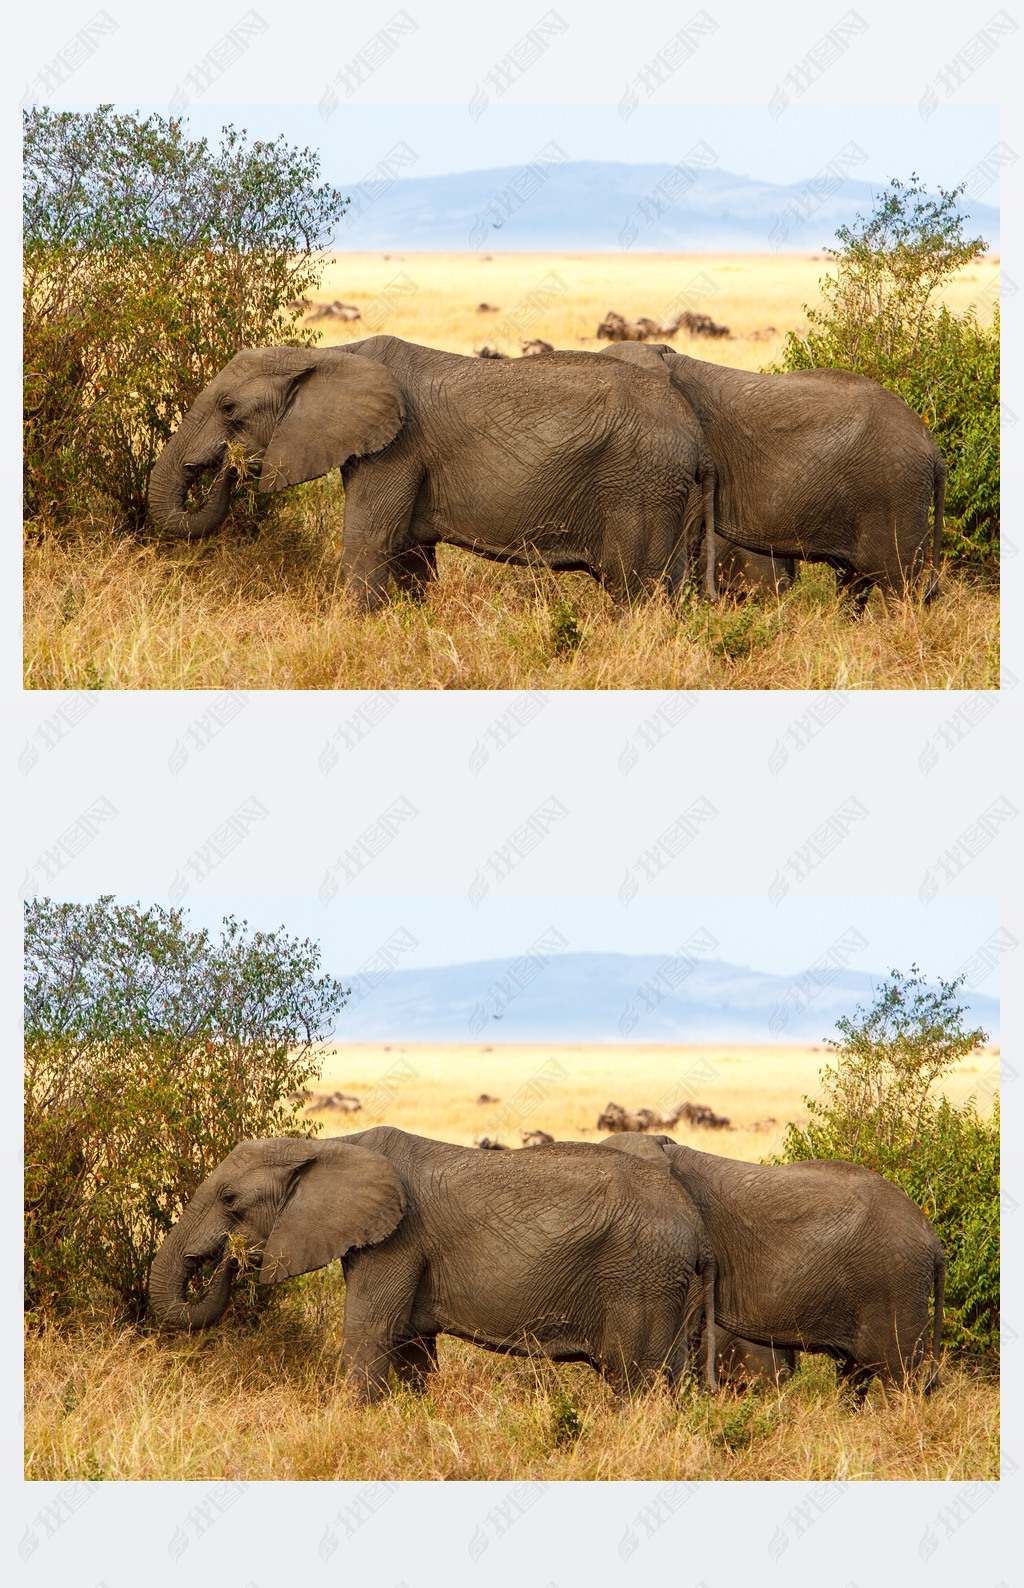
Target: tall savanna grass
{"points": [[236, 1404], [107, 612]]}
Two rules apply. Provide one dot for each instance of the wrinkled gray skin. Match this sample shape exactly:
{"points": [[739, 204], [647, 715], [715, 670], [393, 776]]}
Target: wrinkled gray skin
{"points": [[818, 464], [740, 573], [823, 1256], [560, 1249], [530, 461], [741, 1362]]}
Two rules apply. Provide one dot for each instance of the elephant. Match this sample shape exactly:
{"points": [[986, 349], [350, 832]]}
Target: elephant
{"points": [[819, 464], [824, 1256], [529, 461], [741, 1363], [739, 573], [558, 1249]]}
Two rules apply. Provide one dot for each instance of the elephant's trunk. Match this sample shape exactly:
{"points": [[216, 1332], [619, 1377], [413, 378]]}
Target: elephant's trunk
{"points": [[173, 1267], [169, 485]]}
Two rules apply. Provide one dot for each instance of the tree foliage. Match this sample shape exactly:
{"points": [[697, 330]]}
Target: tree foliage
{"points": [[880, 1106], [151, 1050], [150, 259], [878, 317]]}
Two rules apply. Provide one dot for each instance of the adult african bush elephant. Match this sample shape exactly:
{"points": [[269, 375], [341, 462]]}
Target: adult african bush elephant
{"points": [[560, 1249], [528, 461], [819, 464], [741, 1363], [824, 1256], [740, 573]]}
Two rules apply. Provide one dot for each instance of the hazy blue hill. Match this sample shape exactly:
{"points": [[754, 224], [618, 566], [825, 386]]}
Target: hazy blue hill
{"points": [[598, 998], [583, 205]]}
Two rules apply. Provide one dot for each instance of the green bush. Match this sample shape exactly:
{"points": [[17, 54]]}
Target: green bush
{"points": [[151, 1050], [879, 1107], [150, 259], [878, 318]]}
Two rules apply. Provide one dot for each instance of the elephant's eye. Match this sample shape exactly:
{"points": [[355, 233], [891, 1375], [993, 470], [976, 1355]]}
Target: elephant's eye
{"points": [[227, 408], [228, 1198]]}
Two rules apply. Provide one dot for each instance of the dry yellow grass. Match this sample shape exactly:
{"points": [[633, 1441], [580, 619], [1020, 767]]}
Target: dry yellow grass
{"points": [[103, 612], [240, 1405], [436, 1086], [238, 613], [264, 1398], [433, 298]]}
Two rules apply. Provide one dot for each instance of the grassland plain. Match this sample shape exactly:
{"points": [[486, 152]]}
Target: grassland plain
{"points": [[262, 1396], [238, 612]]}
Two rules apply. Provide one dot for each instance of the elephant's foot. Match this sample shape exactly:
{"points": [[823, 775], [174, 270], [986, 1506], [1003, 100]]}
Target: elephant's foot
{"points": [[412, 571], [363, 596], [854, 1382], [367, 1369], [415, 1361]]}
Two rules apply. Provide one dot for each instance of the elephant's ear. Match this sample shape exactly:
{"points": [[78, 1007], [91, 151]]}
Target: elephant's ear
{"points": [[340, 406], [341, 1198]]}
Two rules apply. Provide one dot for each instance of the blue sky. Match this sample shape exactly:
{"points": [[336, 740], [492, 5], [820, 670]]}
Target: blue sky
{"points": [[896, 139], [750, 930]]}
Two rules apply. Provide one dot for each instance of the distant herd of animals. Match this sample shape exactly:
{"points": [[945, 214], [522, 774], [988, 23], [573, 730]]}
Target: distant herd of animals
{"points": [[638, 465], [637, 1255]]}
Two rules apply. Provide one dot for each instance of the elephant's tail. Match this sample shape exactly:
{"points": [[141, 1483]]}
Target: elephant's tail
{"points": [[940, 1295], [708, 1275], [708, 480], [938, 506]]}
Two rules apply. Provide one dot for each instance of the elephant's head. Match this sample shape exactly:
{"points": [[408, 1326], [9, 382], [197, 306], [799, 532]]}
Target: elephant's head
{"points": [[294, 1205], [295, 411]]}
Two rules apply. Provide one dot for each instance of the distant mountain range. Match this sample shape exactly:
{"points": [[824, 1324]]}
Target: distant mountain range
{"points": [[554, 205], [609, 998]]}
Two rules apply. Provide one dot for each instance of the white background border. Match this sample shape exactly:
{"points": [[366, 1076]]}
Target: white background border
{"points": [[119, 752]]}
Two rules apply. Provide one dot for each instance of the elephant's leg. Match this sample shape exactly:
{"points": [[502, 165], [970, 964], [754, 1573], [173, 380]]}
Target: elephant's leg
{"points": [[368, 1360], [379, 503], [858, 586], [855, 1379], [413, 570], [639, 554], [415, 1360]]}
